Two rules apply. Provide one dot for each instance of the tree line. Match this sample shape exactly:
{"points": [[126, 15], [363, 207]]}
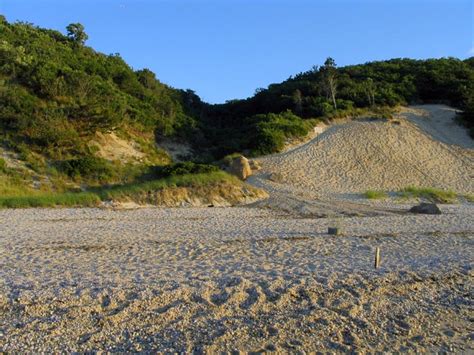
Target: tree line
{"points": [[55, 93]]}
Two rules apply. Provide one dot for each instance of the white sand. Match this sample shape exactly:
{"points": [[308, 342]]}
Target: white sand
{"points": [[233, 278], [425, 149]]}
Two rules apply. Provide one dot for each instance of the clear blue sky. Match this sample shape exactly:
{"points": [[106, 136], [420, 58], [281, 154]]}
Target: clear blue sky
{"points": [[225, 49]]}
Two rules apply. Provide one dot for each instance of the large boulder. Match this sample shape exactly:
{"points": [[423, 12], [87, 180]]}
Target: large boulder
{"points": [[425, 208], [240, 167]]}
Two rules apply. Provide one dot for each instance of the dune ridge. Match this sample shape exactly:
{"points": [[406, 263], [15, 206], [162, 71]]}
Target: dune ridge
{"points": [[421, 146]]}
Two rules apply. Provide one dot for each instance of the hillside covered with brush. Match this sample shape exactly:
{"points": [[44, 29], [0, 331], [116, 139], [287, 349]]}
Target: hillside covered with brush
{"points": [[55, 91], [328, 92], [71, 116]]}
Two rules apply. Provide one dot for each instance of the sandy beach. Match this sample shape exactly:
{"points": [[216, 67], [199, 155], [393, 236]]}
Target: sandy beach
{"points": [[233, 279], [265, 277]]}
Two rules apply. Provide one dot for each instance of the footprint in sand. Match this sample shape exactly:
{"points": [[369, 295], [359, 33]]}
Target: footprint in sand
{"points": [[272, 331], [220, 298], [252, 297]]}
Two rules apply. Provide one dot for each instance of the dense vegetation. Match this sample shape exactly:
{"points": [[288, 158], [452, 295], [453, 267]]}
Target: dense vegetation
{"points": [[56, 94], [328, 91], [183, 168]]}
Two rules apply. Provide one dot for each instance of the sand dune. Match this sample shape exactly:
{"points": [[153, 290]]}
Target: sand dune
{"points": [[423, 146]]}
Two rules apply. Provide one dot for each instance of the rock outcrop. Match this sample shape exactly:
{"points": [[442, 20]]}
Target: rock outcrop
{"points": [[240, 167]]}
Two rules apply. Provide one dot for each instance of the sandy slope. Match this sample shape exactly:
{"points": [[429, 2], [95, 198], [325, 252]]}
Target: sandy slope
{"points": [[112, 147], [422, 147], [233, 278]]}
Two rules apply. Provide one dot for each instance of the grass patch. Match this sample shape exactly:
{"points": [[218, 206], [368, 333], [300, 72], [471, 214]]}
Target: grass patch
{"points": [[469, 198], [430, 193], [133, 191], [67, 199], [375, 194], [15, 183], [10, 186], [121, 192]]}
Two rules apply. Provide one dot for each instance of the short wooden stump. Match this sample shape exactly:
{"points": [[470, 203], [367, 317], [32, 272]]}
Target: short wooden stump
{"points": [[334, 231]]}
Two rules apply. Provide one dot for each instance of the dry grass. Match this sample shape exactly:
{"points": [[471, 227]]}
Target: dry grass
{"points": [[430, 193], [168, 191]]}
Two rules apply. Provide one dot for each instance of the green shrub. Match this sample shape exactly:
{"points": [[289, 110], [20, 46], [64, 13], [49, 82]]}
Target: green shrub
{"points": [[269, 131], [3, 165], [88, 167], [375, 195], [183, 168], [270, 140]]}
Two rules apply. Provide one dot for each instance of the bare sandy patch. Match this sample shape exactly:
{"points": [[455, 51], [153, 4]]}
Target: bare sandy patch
{"points": [[110, 146], [179, 151], [421, 147]]}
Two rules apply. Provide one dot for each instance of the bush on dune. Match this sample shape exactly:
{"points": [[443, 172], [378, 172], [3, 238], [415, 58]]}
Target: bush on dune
{"points": [[270, 131], [87, 167], [183, 168]]}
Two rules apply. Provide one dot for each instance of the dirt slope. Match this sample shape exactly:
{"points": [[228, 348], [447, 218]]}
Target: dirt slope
{"points": [[422, 146]]}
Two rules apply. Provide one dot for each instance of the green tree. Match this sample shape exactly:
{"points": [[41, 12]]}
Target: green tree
{"points": [[147, 78], [329, 79], [75, 31], [298, 101], [370, 89]]}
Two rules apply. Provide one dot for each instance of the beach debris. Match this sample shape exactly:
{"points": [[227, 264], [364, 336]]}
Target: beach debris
{"points": [[240, 167], [377, 258], [425, 208]]}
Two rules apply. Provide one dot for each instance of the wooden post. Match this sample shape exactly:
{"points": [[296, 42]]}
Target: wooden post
{"points": [[334, 230], [377, 258]]}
